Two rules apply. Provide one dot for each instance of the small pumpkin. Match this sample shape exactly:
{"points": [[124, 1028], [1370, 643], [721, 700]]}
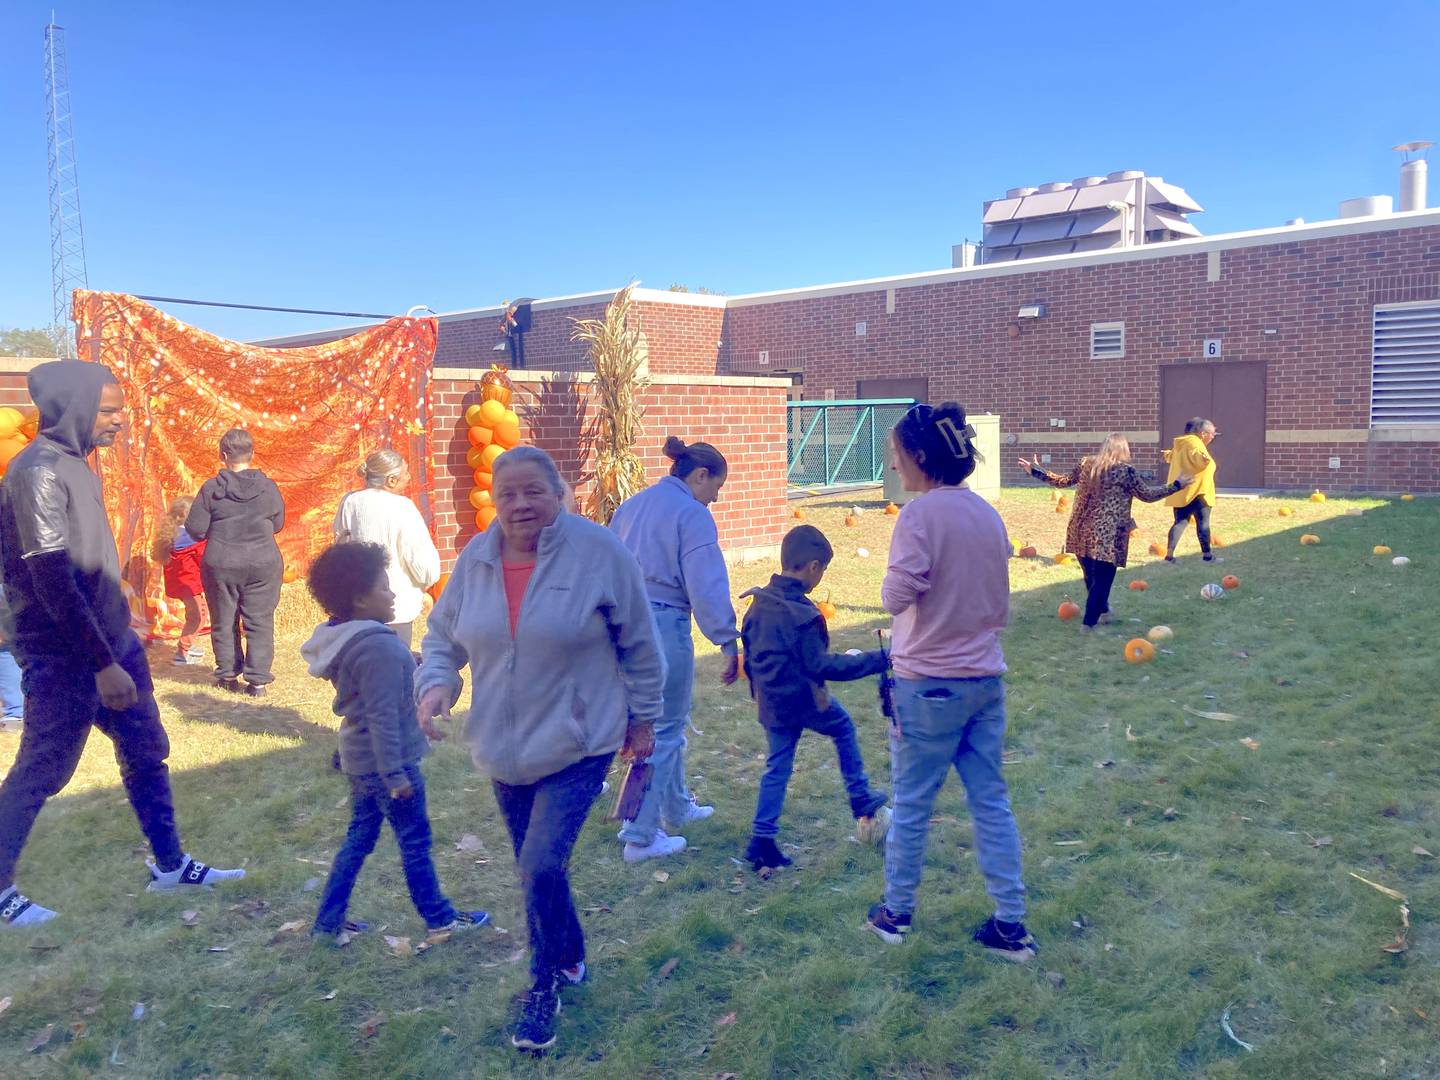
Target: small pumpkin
{"points": [[1216, 541], [1229, 581], [1067, 610], [799, 513], [1407, 497], [1139, 651], [439, 586], [1400, 560], [1063, 558], [891, 510], [1309, 539], [1285, 511], [851, 520], [827, 609], [1139, 586], [1317, 496], [1028, 552], [1062, 506], [1160, 633], [1380, 549], [290, 575], [1156, 549]]}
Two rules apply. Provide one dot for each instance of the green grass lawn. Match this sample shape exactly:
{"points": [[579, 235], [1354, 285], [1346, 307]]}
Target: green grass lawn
{"points": [[1174, 869]]}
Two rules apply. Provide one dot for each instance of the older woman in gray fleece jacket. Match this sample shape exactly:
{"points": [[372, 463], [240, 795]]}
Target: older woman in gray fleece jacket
{"points": [[550, 612]]}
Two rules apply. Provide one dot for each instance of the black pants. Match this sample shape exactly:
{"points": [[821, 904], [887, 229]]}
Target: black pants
{"points": [[544, 819], [249, 595], [61, 705], [1099, 576], [1201, 513]]}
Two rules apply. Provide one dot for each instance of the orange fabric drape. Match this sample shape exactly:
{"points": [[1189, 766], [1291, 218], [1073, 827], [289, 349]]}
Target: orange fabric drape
{"points": [[314, 413]]}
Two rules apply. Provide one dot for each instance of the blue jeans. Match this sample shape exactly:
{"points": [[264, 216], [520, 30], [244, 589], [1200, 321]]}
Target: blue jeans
{"points": [[834, 723], [371, 806], [11, 699], [944, 723], [668, 798]]}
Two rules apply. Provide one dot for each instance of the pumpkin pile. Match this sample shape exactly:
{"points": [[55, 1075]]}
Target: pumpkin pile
{"points": [[493, 429], [17, 428]]}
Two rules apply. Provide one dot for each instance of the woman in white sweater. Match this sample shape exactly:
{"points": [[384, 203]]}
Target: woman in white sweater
{"points": [[381, 514]]}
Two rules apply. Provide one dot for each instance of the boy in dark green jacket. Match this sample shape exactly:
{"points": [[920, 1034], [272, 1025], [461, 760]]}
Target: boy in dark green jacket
{"points": [[380, 741], [787, 663]]}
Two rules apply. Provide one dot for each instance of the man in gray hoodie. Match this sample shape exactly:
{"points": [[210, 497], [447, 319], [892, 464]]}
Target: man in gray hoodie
{"points": [[83, 664]]}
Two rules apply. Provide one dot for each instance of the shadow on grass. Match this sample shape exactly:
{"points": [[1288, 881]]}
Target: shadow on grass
{"points": [[249, 716]]}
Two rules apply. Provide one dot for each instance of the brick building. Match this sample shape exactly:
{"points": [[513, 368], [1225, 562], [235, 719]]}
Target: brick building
{"points": [[1315, 347]]}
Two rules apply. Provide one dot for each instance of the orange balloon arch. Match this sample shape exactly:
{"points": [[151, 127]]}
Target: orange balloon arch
{"points": [[314, 413]]}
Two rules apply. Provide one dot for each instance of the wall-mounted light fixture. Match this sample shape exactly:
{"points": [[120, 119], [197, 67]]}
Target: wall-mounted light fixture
{"points": [[1031, 311]]}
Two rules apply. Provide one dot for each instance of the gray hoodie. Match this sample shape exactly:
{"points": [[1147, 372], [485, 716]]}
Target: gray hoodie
{"points": [[582, 662], [374, 677], [61, 570]]}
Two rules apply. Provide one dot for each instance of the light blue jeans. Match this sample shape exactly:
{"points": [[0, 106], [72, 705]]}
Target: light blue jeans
{"points": [[944, 723], [668, 798], [12, 701]]}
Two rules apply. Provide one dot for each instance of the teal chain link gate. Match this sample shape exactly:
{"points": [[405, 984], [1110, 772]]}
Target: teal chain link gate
{"points": [[833, 443]]}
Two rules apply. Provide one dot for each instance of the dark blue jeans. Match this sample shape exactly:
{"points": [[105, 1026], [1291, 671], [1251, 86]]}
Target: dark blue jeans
{"points": [[371, 806], [61, 705], [834, 723]]}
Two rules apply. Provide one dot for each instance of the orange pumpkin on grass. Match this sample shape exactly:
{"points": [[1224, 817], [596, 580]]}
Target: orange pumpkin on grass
{"points": [[1309, 539], [1139, 651], [1139, 586], [1067, 610], [827, 609], [798, 514], [891, 510], [1229, 581], [1156, 549], [851, 521]]}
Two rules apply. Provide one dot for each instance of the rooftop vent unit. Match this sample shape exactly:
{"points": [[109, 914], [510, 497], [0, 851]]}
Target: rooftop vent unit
{"points": [[1091, 213]]}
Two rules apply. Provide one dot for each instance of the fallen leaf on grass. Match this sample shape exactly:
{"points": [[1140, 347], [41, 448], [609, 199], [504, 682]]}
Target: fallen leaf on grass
{"points": [[371, 1026], [77, 1030], [1249, 743], [189, 918], [667, 968], [1321, 841], [291, 927], [1418, 850], [1169, 813], [1402, 937], [218, 948], [400, 946], [726, 1020], [311, 884], [1068, 843], [1130, 735], [330, 996], [251, 908], [1224, 717], [470, 842], [1391, 893], [662, 876], [42, 1039]]}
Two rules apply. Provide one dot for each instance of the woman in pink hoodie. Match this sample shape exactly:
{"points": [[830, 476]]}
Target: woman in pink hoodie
{"points": [[948, 587]]}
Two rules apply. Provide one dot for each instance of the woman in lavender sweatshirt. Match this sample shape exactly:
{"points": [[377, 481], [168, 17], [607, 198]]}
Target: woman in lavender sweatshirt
{"points": [[948, 587]]}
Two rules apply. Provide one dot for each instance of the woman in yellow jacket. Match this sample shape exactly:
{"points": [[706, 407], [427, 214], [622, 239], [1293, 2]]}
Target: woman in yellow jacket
{"points": [[1190, 455]]}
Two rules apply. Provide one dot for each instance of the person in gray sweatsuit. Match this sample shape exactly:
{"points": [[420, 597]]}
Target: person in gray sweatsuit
{"points": [[550, 613], [381, 745]]}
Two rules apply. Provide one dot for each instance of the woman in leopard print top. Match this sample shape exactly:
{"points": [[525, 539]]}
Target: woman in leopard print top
{"points": [[1100, 524]]}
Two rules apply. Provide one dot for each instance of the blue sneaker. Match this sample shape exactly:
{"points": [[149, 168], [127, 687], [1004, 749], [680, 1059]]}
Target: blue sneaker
{"points": [[1010, 941], [886, 925]]}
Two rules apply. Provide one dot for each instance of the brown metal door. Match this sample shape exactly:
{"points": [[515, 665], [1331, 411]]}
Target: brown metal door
{"points": [[1233, 396], [915, 387]]}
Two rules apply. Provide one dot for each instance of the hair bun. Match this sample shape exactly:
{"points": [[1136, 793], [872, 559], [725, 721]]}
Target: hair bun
{"points": [[952, 410], [674, 447]]}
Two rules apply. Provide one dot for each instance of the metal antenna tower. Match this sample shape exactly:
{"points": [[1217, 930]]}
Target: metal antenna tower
{"points": [[67, 235]]}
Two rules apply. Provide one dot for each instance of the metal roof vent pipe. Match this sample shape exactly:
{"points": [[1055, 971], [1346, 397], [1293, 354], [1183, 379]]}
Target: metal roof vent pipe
{"points": [[1367, 206], [1413, 178]]}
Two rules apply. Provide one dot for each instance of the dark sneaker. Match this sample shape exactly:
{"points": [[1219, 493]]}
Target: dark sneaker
{"points": [[232, 685], [1006, 939], [190, 874], [535, 1029], [464, 920], [763, 853], [251, 690], [886, 925], [17, 909], [574, 976], [341, 935]]}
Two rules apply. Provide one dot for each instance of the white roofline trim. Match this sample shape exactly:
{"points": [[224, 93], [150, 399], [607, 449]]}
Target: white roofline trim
{"points": [[1412, 219]]}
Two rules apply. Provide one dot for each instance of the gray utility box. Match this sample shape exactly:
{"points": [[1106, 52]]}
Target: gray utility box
{"points": [[985, 479]]}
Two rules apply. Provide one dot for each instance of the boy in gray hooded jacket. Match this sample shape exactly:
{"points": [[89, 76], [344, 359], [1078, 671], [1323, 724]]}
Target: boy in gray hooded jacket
{"points": [[380, 741]]}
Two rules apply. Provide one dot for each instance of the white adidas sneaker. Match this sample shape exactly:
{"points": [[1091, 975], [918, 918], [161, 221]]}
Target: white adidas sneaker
{"points": [[17, 910], [190, 874]]}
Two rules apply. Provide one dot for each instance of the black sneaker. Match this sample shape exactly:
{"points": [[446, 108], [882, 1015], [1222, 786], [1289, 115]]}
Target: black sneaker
{"points": [[252, 690], [763, 853], [535, 1029], [1006, 939], [232, 685], [886, 925]]}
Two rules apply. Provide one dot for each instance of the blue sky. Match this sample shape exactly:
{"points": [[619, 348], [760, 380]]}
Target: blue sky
{"points": [[368, 157]]}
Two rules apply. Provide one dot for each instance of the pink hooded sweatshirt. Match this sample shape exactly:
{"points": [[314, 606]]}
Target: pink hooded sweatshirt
{"points": [[948, 586]]}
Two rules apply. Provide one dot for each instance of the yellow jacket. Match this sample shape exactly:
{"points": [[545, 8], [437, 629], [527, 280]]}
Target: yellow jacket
{"points": [[1190, 455]]}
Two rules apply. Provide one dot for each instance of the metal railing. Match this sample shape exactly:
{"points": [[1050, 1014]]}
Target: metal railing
{"points": [[834, 443]]}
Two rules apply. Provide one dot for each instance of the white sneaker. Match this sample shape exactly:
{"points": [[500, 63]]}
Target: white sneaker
{"points": [[189, 875], [658, 848], [16, 909], [693, 812]]}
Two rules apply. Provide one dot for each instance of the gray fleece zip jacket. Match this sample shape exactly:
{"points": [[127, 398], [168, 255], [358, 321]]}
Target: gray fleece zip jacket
{"points": [[374, 677], [583, 661]]}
